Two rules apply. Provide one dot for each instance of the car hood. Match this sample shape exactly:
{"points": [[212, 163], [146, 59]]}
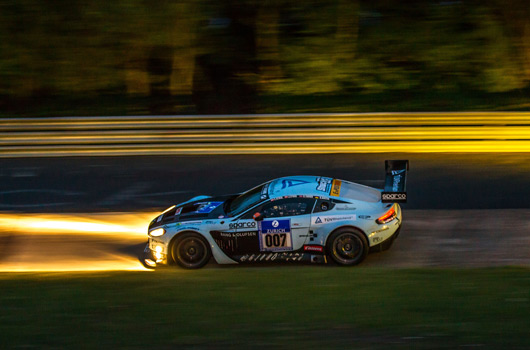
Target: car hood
{"points": [[197, 208]]}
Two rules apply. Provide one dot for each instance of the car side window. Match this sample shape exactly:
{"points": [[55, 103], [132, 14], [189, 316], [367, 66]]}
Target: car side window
{"points": [[287, 207]]}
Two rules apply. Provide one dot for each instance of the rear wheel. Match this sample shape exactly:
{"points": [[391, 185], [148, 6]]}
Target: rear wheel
{"points": [[347, 246], [191, 251]]}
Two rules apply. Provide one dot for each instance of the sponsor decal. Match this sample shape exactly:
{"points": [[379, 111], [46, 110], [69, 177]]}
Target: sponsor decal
{"points": [[324, 184], [178, 211], [335, 188], [183, 228], [207, 207], [319, 197], [376, 239], [314, 248], [328, 219], [364, 217], [293, 196], [292, 183], [394, 196], [275, 235], [245, 224], [196, 222], [345, 207], [238, 234], [236, 243]]}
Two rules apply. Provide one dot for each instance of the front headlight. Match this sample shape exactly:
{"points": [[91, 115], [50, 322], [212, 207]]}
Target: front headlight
{"points": [[157, 232]]}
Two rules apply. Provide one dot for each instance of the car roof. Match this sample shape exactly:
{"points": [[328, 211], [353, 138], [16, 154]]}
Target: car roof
{"points": [[321, 186]]}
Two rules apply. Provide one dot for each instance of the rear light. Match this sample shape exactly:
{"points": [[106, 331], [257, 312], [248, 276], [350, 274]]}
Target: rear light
{"points": [[388, 216]]}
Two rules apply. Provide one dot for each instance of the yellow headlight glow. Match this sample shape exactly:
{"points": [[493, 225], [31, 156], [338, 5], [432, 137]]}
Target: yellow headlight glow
{"points": [[157, 233]]}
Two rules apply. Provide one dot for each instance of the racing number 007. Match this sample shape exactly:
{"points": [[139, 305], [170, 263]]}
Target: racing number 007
{"points": [[275, 240]]}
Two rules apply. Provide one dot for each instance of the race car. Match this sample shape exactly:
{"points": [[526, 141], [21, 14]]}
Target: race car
{"points": [[290, 219]]}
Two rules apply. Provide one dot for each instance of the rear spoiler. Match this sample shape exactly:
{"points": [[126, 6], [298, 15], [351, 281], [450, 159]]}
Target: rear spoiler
{"points": [[395, 181]]}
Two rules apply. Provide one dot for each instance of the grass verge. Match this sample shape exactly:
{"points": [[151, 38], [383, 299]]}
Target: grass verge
{"points": [[274, 307]]}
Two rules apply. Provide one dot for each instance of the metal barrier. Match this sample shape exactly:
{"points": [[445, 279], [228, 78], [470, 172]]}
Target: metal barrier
{"points": [[267, 133]]}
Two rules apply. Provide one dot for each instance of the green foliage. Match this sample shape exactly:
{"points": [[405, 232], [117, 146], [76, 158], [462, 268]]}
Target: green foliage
{"points": [[466, 47], [317, 47]]}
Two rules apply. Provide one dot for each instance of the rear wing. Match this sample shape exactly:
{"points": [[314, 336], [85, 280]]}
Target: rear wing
{"points": [[395, 181]]}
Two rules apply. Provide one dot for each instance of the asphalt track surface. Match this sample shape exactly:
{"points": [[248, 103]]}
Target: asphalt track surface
{"points": [[91, 213]]}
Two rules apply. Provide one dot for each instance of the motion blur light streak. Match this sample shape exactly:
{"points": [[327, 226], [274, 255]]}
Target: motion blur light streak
{"points": [[72, 242], [106, 224], [266, 134], [72, 266]]}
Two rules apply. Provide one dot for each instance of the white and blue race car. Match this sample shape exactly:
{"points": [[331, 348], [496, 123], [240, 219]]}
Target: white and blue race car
{"points": [[296, 218]]}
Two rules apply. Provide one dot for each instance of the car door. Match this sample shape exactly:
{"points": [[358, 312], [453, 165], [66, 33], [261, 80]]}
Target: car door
{"points": [[285, 224]]}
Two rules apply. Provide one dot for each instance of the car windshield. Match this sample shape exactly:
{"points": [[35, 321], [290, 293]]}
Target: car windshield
{"points": [[245, 200]]}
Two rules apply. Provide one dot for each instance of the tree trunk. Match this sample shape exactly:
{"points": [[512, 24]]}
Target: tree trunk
{"points": [[268, 47]]}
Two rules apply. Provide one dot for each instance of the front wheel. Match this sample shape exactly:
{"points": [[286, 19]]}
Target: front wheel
{"points": [[191, 251], [347, 246]]}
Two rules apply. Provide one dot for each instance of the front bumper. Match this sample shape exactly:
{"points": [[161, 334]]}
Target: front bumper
{"points": [[153, 257]]}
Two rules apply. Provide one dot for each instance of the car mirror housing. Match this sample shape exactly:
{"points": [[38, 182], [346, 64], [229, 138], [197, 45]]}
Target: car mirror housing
{"points": [[258, 216]]}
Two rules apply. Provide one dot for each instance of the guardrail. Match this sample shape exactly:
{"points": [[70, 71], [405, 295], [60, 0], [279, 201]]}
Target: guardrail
{"points": [[267, 133]]}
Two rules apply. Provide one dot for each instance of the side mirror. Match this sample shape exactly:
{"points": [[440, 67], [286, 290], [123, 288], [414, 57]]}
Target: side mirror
{"points": [[258, 216]]}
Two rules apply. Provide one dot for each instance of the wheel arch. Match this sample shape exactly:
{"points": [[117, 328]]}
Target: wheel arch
{"points": [[174, 240], [348, 227]]}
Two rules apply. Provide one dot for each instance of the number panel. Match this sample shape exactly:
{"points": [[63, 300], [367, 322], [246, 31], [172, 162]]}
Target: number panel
{"points": [[275, 235]]}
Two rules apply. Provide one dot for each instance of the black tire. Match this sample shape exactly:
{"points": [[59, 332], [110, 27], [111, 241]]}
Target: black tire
{"points": [[190, 251], [347, 246]]}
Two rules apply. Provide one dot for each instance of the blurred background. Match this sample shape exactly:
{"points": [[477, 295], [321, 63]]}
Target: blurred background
{"points": [[79, 187], [208, 57]]}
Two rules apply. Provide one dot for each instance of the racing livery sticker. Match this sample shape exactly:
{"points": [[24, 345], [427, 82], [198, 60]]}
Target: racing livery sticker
{"points": [[178, 211], [235, 244], [207, 207], [244, 224], [292, 183], [344, 207], [290, 256], [335, 188], [275, 235], [397, 179], [195, 222], [328, 219], [184, 228], [324, 184], [314, 248]]}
